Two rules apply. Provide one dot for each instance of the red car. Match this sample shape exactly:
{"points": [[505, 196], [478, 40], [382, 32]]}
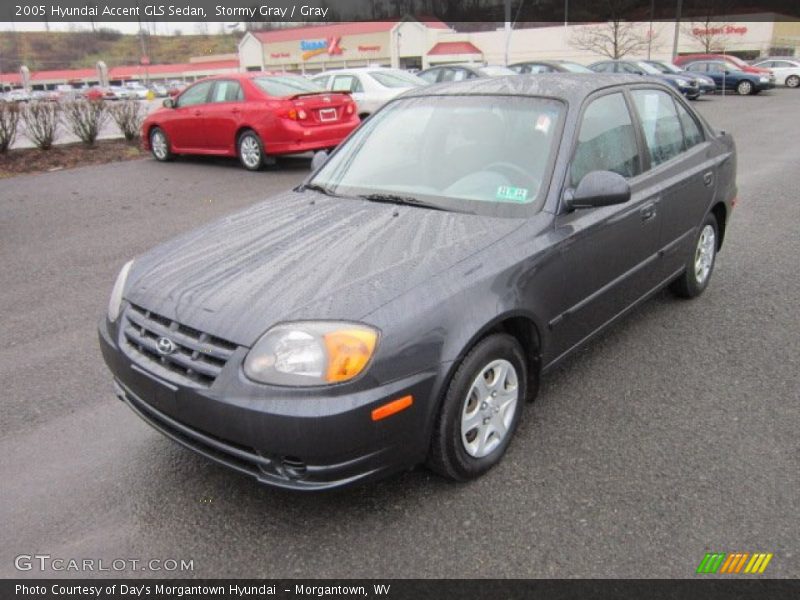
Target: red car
{"points": [[738, 63], [249, 116]]}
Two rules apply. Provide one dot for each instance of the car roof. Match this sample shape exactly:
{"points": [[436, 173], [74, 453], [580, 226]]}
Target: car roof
{"points": [[571, 87], [356, 70]]}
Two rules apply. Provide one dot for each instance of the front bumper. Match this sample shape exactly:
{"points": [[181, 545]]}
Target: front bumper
{"points": [[279, 436]]}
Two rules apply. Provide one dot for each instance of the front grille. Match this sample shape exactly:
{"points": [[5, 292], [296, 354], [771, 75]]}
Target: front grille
{"points": [[198, 357]]}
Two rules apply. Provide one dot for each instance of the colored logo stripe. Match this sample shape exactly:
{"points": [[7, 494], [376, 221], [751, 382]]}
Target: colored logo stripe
{"points": [[721, 562]]}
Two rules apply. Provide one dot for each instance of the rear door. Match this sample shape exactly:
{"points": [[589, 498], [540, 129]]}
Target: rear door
{"points": [[224, 114], [353, 85], [607, 254], [681, 168], [185, 124]]}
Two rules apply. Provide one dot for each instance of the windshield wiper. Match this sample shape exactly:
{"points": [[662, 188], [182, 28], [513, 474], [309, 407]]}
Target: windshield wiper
{"points": [[398, 199], [319, 188]]}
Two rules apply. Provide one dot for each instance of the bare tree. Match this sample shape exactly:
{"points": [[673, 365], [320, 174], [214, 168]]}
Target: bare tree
{"points": [[41, 123], [9, 118], [128, 115], [614, 39], [86, 118]]}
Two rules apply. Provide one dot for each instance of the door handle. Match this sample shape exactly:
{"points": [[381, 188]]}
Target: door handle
{"points": [[708, 178], [197, 113], [648, 212]]}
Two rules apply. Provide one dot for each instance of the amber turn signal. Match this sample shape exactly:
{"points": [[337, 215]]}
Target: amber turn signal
{"points": [[392, 408], [349, 351]]}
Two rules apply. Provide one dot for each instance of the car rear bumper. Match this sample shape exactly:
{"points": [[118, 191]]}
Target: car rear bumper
{"points": [[313, 441], [295, 138]]}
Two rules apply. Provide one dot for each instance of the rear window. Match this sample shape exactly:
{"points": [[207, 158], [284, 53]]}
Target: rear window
{"points": [[286, 85]]}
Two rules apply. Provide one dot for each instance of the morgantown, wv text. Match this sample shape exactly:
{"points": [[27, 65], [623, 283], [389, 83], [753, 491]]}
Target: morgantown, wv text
{"points": [[179, 591]]}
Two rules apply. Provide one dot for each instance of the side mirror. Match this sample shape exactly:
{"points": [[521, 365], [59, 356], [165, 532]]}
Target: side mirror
{"points": [[169, 103], [598, 188], [320, 158]]}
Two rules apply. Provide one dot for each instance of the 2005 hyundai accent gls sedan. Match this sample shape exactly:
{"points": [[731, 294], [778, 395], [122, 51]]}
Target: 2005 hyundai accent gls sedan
{"points": [[401, 305]]}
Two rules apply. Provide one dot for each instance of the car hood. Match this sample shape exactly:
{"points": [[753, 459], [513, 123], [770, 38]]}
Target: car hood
{"points": [[303, 255]]}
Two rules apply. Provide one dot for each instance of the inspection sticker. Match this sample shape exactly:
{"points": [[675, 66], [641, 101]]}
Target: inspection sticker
{"points": [[514, 194]]}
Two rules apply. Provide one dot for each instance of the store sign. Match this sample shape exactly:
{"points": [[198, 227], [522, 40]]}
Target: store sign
{"points": [[369, 48], [727, 30], [279, 55], [312, 48]]}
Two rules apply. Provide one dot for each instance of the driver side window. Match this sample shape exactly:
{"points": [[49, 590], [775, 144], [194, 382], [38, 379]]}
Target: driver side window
{"points": [[197, 94], [606, 141]]}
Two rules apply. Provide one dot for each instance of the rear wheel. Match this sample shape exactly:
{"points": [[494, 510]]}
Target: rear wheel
{"points": [[700, 264], [480, 410], [744, 88], [250, 150], [792, 81], [159, 145]]}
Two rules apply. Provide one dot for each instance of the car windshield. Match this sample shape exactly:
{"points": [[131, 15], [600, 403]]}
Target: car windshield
{"points": [[397, 79], [665, 67], [496, 71], [483, 154], [647, 68], [574, 67], [286, 85]]}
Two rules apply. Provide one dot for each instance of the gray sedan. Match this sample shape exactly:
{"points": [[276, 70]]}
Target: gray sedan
{"points": [[402, 305]]}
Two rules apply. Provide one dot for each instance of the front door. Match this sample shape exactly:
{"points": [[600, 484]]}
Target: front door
{"points": [[185, 126]]}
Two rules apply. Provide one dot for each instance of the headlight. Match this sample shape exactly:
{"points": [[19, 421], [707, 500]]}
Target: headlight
{"points": [[311, 353], [764, 79], [115, 301], [682, 83]]}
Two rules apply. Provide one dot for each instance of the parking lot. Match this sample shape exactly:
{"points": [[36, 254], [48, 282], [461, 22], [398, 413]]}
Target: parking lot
{"points": [[672, 435]]}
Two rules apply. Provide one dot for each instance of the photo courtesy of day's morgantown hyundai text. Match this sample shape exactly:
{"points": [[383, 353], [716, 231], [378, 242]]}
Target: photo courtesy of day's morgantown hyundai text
{"points": [[401, 305]]}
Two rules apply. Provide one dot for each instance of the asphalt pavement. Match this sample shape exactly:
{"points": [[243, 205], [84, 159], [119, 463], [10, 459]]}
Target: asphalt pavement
{"points": [[673, 435]]}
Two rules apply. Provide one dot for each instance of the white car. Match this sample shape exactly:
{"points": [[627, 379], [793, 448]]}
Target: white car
{"points": [[135, 90], [18, 95], [786, 70], [370, 87]]}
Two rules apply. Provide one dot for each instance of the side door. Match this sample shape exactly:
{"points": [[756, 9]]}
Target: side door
{"points": [[682, 170], [223, 114], [185, 128], [607, 255]]}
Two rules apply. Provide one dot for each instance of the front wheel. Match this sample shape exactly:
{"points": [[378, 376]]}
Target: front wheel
{"points": [[480, 410], [159, 145], [744, 88], [251, 151], [700, 265], [793, 81]]}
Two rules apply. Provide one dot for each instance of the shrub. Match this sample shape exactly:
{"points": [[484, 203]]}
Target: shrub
{"points": [[86, 118], [41, 123], [128, 115], [9, 118]]}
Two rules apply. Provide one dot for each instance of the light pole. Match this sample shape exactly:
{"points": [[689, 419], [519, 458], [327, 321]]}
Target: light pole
{"points": [[677, 29]]}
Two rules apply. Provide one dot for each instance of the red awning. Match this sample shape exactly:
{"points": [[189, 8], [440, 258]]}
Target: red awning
{"points": [[454, 48]]}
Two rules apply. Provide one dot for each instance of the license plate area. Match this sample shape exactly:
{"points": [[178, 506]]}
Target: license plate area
{"points": [[326, 115]]}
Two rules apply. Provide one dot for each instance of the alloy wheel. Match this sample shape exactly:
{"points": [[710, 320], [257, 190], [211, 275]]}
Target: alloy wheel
{"points": [[158, 142], [250, 151], [704, 254]]}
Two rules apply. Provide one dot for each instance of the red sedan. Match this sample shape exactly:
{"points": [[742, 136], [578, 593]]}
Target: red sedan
{"points": [[250, 116]]}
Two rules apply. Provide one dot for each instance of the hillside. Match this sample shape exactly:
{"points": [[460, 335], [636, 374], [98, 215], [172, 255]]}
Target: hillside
{"points": [[64, 50]]}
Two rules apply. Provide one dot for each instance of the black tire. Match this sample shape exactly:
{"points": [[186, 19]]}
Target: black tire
{"points": [[250, 151], [160, 145], [448, 454], [793, 81], [690, 284], [745, 88]]}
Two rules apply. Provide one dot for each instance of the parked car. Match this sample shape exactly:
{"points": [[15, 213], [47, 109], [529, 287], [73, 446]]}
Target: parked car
{"points": [[687, 86], [459, 72], [135, 90], [729, 79], [175, 87], [249, 116], [370, 87], [97, 92], [118, 92], [705, 83], [785, 70], [159, 90], [549, 66], [403, 303], [18, 95], [736, 64]]}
